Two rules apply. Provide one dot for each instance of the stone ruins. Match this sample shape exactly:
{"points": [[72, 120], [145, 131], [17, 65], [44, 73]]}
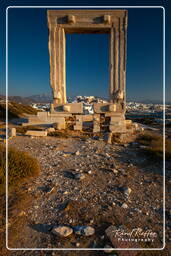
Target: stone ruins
{"points": [[113, 22]]}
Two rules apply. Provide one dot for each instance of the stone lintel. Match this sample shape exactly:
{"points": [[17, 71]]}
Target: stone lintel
{"points": [[72, 108], [98, 17]]}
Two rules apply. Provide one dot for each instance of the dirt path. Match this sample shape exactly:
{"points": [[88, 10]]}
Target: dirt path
{"points": [[83, 182]]}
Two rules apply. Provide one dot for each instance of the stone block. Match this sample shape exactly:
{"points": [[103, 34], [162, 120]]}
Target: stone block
{"points": [[52, 107], [96, 128], [112, 107], [117, 118], [36, 133], [109, 138], [12, 132], [117, 129], [96, 117], [58, 114], [71, 19], [135, 125], [118, 114], [100, 107], [107, 19], [42, 114], [66, 108], [107, 108], [87, 118], [78, 127], [74, 108], [118, 123], [54, 119], [79, 118], [59, 126], [51, 129], [128, 122]]}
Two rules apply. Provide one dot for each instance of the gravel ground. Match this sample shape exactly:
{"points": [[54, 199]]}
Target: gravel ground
{"points": [[87, 182]]}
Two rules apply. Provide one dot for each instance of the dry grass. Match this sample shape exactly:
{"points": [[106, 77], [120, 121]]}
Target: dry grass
{"points": [[16, 110], [154, 144], [20, 165]]}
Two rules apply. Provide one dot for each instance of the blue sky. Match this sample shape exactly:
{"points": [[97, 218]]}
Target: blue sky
{"points": [[29, 59]]}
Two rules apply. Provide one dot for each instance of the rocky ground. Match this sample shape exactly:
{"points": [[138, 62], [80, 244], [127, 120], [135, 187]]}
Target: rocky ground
{"points": [[88, 186]]}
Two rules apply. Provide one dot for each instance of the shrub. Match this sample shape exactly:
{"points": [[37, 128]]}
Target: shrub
{"points": [[154, 144], [20, 165]]}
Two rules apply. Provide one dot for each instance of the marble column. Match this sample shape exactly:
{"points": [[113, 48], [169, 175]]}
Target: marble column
{"points": [[117, 60], [57, 64]]}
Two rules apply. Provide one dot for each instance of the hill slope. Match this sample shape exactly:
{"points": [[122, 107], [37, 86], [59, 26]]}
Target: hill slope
{"points": [[15, 110]]}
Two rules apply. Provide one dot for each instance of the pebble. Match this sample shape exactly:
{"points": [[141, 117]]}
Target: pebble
{"points": [[79, 176], [115, 171], [127, 191], [108, 249], [77, 153], [107, 155], [124, 205], [22, 213], [62, 231], [51, 190], [84, 230], [66, 192]]}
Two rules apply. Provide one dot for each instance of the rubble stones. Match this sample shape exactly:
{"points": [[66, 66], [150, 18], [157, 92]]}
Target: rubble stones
{"points": [[96, 195]]}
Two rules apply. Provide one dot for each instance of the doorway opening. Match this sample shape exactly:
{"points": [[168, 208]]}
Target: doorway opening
{"points": [[87, 69]]}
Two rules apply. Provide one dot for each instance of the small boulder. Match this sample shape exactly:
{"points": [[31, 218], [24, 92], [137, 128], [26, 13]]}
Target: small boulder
{"points": [[62, 231], [84, 230]]}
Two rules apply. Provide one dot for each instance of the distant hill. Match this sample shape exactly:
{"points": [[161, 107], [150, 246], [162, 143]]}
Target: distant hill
{"points": [[40, 98]]}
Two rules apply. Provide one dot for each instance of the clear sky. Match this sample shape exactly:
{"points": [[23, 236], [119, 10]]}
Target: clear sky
{"points": [[87, 54]]}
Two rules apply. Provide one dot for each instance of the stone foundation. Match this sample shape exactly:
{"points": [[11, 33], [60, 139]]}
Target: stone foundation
{"points": [[114, 119]]}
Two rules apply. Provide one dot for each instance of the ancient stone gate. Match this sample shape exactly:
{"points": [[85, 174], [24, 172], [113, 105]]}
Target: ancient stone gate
{"points": [[113, 22]]}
